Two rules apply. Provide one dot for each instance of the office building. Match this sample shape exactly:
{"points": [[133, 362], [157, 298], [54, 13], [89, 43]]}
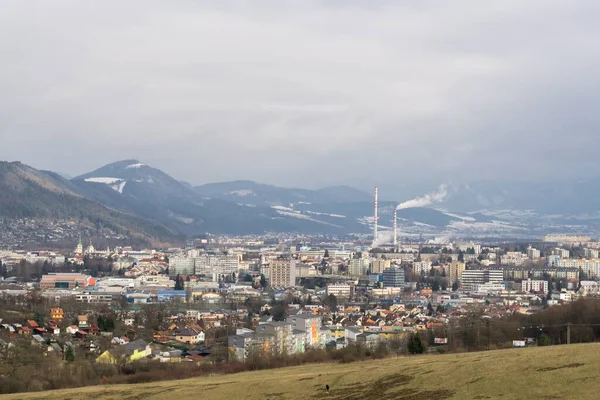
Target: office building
{"points": [[471, 279], [393, 277]]}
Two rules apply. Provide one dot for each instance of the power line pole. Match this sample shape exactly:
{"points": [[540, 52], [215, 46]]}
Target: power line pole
{"points": [[568, 333]]}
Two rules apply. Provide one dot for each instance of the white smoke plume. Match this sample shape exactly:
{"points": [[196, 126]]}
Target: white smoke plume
{"points": [[383, 238], [426, 200]]}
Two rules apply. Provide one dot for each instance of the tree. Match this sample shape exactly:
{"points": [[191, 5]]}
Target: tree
{"points": [[263, 281], [455, 286], [39, 317], [331, 302], [429, 309], [544, 340], [106, 323], [278, 312], [435, 286], [326, 255], [3, 270], [69, 354], [178, 282], [415, 344]]}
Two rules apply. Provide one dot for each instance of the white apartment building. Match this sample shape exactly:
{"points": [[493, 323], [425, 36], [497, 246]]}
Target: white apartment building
{"points": [[216, 264], [464, 247], [358, 266], [472, 279], [345, 291], [310, 324], [514, 258], [536, 286], [566, 239], [181, 266], [533, 254], [592, 253], [562, 253], [94, 297], [421, 267], [591, 268]]}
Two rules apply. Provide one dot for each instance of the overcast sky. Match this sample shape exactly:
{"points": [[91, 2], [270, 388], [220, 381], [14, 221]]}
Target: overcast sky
{"points": [[304, 93]]}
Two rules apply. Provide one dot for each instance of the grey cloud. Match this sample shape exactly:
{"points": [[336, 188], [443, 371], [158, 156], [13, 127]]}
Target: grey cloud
{"points": [[303, 93]]}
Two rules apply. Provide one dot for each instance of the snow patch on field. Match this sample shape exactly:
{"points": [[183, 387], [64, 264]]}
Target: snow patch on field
{"points": [[494, 226], [282, 208], [326, 214], [464, 218], [243, 192], [305, 217]]}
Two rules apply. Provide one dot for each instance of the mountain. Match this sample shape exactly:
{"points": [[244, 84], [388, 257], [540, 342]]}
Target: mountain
{"points": [[132, 197], [29, 193], [137, 188], [248, 192]]}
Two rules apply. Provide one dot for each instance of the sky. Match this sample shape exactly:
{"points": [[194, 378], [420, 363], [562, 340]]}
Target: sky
{"points": [[304, 93]]}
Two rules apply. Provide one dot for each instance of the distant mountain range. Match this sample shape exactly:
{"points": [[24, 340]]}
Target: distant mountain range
{"points": [[29, 193], [130, 196], [248, 192]]}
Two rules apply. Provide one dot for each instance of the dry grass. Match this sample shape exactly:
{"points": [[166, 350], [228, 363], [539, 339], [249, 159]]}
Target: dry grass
{"points": [[560, 372]]}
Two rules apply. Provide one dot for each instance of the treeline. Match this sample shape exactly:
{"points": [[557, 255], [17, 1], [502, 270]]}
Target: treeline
{"points": [[27, 271], [475, 331], [24, 368]]}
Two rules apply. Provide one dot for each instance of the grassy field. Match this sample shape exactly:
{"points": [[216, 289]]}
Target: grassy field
{"points": [[559, 372]]}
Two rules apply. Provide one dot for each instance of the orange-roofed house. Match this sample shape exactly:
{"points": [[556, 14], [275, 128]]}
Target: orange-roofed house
{"points": [[57, 314]]}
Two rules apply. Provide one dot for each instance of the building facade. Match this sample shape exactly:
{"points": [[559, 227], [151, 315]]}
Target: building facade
{"points": [[282, 272], [394, 277]]}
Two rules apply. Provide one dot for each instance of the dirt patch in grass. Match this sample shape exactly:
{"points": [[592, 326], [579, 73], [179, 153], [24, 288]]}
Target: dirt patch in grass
{"points": [[275, 396], [475, 380], [390, 387], [574, 365]]}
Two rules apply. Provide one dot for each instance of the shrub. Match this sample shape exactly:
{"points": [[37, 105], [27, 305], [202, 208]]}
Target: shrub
{"points": [[415, 344]]}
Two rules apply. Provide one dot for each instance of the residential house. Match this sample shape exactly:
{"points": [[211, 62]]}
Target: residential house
{"points": [[190, 336], [130, 352], [57, 314], [71, 330], [82, 321]]}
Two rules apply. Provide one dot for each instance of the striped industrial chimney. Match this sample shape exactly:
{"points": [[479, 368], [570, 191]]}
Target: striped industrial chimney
{"points": [[375, 217], [395, 230]]}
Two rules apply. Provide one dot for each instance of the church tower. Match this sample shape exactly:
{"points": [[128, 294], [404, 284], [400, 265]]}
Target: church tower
{"points": [[79, 248]]}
